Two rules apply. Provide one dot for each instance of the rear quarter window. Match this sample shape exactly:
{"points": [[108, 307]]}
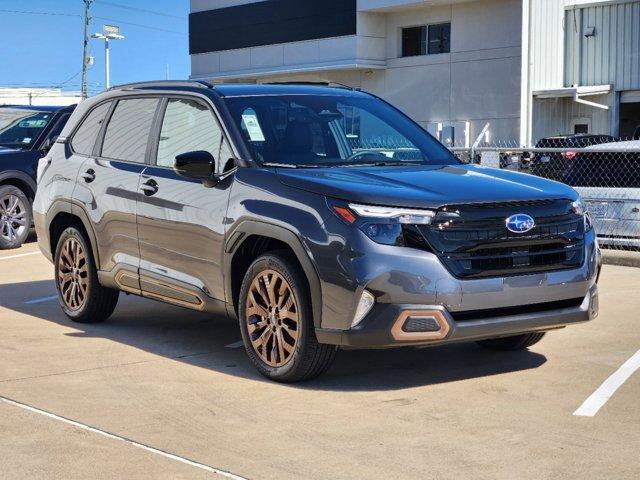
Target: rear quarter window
{"points": [[86, 135]]}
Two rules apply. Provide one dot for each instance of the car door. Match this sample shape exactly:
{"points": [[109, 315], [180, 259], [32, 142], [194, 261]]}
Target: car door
{"points": [[181, 220], [108, 187]]}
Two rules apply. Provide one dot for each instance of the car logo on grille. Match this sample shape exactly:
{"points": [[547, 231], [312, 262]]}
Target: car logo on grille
{"points": [[520, 223]]}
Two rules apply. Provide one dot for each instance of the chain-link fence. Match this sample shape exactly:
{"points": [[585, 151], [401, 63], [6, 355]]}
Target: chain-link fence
{"points": [[607, 176]]}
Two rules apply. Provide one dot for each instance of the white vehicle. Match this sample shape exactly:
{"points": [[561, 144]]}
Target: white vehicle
{"points": [[607, 176]]}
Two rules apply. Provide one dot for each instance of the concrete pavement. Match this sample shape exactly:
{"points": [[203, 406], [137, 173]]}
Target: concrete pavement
{"points": [[164, 377]]}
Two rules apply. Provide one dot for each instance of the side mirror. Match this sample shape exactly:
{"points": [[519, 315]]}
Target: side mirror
{"points": [[199, 165], [47, 144]]}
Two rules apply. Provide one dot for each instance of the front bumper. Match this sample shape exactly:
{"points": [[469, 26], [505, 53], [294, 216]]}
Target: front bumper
{"points": [[385, 326], [406, 280]]}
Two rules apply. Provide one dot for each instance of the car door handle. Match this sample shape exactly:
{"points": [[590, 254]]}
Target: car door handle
{"points": [[149, 188], [89, 176]]}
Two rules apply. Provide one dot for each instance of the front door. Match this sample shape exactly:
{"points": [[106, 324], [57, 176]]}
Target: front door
{"points": [[180, 220], [108, 187]]}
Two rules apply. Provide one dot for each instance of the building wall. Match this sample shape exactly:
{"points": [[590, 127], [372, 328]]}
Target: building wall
{"points": [[554, 116], [612, 55], [478, 82], [38, 96]]}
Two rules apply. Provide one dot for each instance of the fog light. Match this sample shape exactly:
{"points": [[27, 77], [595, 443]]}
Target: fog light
{"points": [[367, 300]]}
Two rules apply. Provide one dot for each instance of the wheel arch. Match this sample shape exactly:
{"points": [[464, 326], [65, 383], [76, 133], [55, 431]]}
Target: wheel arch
{"points": [[259, 237], [19, 180], [64, 214]]}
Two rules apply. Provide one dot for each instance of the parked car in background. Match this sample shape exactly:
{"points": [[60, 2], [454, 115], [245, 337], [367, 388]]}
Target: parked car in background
{"points": [[26, 134], [609, 183], [554, 165], [249, 200]]}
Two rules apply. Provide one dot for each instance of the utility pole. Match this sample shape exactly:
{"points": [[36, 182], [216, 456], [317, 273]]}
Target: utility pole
{"points": [[85, 49]]}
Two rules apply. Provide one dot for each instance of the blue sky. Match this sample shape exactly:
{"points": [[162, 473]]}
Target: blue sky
{"points": [[46, 50]]}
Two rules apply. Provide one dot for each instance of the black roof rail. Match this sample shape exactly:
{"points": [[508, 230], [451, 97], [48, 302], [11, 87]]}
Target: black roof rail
{"points": [[163, 83], [318, 84]]}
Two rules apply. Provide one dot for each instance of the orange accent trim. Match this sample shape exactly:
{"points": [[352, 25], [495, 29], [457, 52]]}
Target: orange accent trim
{"points": [[402, 336], [346, 214]]}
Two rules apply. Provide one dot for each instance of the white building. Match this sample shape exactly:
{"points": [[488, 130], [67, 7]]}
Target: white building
{"points": [[38, 96], [530, 68]]}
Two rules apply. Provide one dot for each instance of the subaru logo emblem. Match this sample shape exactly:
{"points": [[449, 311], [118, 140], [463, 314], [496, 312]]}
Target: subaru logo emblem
{"points": [[520, 223]]}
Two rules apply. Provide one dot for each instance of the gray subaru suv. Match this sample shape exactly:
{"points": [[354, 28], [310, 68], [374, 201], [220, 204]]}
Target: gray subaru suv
{"points": [[319, 217]]}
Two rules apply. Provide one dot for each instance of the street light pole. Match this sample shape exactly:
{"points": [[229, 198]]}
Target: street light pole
{"points": [[110, 33], [106, 64]]}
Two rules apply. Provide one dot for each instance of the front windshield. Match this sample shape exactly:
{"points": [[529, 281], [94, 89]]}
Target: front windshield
{"points": [[20, 128], [327, 130]]}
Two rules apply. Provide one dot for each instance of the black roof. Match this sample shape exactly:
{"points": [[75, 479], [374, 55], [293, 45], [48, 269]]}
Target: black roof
{"points": [[240, 90]]}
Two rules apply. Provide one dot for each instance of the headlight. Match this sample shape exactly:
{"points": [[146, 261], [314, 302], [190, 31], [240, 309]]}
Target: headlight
{"points": [[382, 224], [580, 208]]}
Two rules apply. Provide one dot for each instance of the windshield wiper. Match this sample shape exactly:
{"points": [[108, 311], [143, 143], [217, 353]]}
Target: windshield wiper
{"points": [[290, 165], [381, 164]]}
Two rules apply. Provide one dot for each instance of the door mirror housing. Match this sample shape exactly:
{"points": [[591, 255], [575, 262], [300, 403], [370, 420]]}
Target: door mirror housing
{"points": [[199, 165], [47, 144]]}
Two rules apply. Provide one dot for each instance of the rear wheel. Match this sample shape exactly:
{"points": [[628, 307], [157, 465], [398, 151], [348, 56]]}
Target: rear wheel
{"points": [[276, 321], [81, 296], [15, 217], [518, 342]]}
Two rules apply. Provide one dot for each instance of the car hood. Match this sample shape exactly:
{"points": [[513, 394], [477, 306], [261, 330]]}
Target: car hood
{"points": [[424, 186], [8, 151]]}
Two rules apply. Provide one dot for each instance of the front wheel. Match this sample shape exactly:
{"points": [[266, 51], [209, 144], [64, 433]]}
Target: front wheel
{"points": [[81, 296], [15, 217], [518, 342], [276, 321]]}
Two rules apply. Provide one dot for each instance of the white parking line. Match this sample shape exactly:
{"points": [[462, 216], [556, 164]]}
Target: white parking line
{"points": [[41, 300], [237, 344], [114, 436], [19, 256], [598, 398]]}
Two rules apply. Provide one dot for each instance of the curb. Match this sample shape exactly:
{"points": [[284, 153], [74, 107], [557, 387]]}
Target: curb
{"points": [[623, 258]]}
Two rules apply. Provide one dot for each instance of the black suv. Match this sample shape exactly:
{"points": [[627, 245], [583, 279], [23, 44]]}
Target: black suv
{"points": [[319, 217], [26, 134], [555, 164]]}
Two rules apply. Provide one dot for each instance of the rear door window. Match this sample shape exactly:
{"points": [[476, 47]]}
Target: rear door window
{"points": [[85, 137], [127, 134]]}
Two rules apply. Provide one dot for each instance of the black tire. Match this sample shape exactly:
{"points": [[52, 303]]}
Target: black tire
{"points": [[98, 302], [22, 214], [518, 342], [309, 358]]}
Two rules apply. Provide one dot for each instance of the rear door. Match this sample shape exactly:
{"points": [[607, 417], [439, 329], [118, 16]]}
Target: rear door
{"points": [[108, 187], [180, 220]]}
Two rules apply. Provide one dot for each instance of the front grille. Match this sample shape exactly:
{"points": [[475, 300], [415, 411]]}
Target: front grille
{"points": [[475, 242]]}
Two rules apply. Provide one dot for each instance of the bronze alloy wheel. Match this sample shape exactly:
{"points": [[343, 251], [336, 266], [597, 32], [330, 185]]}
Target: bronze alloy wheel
{"points": [[272, 317], [13, 217], [73, 274]]}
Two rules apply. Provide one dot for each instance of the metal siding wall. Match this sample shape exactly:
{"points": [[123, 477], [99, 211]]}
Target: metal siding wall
{"points": [[612, 56], [546, 47], [552, 116]]}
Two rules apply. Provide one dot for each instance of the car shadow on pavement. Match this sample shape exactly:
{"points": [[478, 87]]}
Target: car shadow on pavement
{"points": [[208, 342]]}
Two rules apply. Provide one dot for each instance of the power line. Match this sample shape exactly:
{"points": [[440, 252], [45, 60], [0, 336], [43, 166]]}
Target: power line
{"points": [[143, 10], [140, 25], [27, 12]]}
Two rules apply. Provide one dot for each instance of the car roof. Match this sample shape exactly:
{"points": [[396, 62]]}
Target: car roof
{"points": [[38, 108], [629, 144], [244, 90]]}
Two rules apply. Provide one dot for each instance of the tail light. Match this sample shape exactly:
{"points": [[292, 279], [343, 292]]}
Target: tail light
{"points": [[569, 155]]}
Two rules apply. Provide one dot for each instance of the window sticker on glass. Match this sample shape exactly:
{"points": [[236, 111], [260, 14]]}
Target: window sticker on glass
{"points": [[253, 127], [38, 123], [26, 140]]}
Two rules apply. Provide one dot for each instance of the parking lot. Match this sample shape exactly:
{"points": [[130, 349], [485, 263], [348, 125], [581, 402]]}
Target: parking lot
{"points": [[162, 392]]}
